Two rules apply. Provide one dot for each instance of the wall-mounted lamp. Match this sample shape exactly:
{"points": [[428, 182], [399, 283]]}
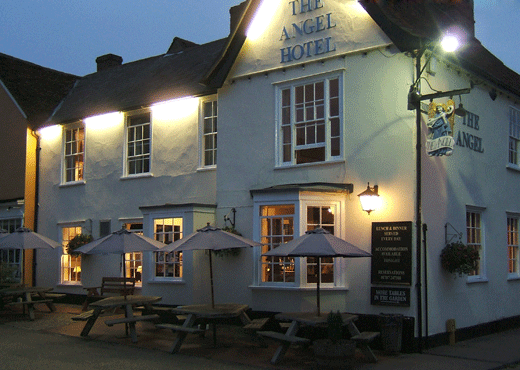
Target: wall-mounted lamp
{"points": [[370, 200], [460, 111]]}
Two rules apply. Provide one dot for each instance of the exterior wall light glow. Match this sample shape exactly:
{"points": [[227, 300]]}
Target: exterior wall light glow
{"points": [[104, 121], [263, 16], [175, 109], [370, 200], [50, 132], [450, 43]]}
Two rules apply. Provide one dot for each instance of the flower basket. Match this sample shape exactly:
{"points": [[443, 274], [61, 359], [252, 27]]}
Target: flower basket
{"points": [[76, 242], [458, 258], [231, 251]]}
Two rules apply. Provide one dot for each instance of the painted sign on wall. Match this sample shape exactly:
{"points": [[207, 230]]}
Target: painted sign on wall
{"points": [[392, 253], [306, 31], [442, 138], [468, 139], [380, 296]]}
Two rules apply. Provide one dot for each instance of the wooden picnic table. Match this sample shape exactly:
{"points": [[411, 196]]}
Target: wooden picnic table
{"points": [[24, 295], [127, 302], [309, 318], [206, 313]]}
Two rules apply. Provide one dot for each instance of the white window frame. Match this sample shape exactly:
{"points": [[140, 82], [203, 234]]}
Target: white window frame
{"points": [[202, 134], [279, 134], [78, 177], [12, 257], [300, 226], [514, 138], [337, 262], [68, 262], [477, 240], [127, 156], [158, 256], [287, 262], [513, 245], [134, 261]]}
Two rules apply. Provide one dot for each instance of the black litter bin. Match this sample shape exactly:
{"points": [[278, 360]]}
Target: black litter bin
{"points": [[391, 333]]}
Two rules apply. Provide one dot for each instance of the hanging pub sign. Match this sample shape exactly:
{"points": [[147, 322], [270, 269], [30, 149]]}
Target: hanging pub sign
{"points": [[386, 296], [392, 253], [441, 119]]}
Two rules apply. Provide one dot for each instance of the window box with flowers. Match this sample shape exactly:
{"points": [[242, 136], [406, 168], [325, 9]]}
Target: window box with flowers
{"points": [[458, 258]]}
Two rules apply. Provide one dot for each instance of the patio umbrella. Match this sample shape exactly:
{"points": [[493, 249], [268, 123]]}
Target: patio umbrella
{"points": [[24, 238], [121, 242], [317, 243], [212, 239]]}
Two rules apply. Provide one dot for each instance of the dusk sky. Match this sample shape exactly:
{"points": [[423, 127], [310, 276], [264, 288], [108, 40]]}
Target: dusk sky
{"points": [[68, 35]]}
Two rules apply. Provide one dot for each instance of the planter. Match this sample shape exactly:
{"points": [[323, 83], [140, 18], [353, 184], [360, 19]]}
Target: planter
{"points": [[338, 355]]}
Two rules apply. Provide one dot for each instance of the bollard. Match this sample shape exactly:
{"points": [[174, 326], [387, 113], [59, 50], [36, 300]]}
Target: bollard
{"points": [[450, 328]]}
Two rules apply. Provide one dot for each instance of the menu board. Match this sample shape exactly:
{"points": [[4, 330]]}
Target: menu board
{"points": [[392, 253]]}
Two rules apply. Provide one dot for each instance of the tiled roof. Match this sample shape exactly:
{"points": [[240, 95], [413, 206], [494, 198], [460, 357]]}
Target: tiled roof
{"points": [[141, 83], [411, 25], [37, 90]]}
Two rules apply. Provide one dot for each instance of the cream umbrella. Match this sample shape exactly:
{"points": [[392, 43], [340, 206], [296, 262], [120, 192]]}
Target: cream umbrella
{"points": [[317, 243], [212, 239], [121, 242]]}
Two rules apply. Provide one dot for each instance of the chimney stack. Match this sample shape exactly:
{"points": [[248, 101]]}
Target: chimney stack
{"points": [[108, 61]]}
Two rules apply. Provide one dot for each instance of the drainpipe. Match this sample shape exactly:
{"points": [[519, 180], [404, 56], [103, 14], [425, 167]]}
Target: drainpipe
{"points": [[36, 196]]}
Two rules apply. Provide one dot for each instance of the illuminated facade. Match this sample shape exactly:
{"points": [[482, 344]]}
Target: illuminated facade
{"points": [[311, 104]]}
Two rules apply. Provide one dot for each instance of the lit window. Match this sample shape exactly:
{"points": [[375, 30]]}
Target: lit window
{"points": [[134, 261], [514, 136], [277, 227], [70, 264], [320, 217], [513, 245], [138, 144], [168, 264], [474, 238], [74, 149], [209, 133], [310, 122]]}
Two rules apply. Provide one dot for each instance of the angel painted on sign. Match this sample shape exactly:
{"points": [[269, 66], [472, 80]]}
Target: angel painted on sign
{"points": [[441, 119]]}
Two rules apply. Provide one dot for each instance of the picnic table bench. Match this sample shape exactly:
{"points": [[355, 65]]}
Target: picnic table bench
{"points": [[362, 339], [21, 295], [117, 301], [111, 285]]}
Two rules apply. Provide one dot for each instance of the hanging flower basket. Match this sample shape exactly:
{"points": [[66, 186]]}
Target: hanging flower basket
{"points": [[231, 251], [78, 241], [458, 258]]}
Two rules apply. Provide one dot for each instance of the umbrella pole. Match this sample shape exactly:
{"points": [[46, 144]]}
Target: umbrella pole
{"points": [[124, 275], [211, 279], [318, 286]]}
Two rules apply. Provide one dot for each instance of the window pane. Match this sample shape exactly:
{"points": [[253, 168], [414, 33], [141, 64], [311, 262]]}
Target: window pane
{"points": [[311, 118]]}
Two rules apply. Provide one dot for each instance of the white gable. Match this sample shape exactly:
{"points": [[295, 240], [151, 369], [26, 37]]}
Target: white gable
{"points": [[301, 31]]}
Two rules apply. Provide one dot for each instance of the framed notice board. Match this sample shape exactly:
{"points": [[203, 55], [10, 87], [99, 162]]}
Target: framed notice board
{"points": [[392, 253]]}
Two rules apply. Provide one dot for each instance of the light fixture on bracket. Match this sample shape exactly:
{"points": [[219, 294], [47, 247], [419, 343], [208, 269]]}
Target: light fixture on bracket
{"points": [[370, 200], [460, 111]]}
